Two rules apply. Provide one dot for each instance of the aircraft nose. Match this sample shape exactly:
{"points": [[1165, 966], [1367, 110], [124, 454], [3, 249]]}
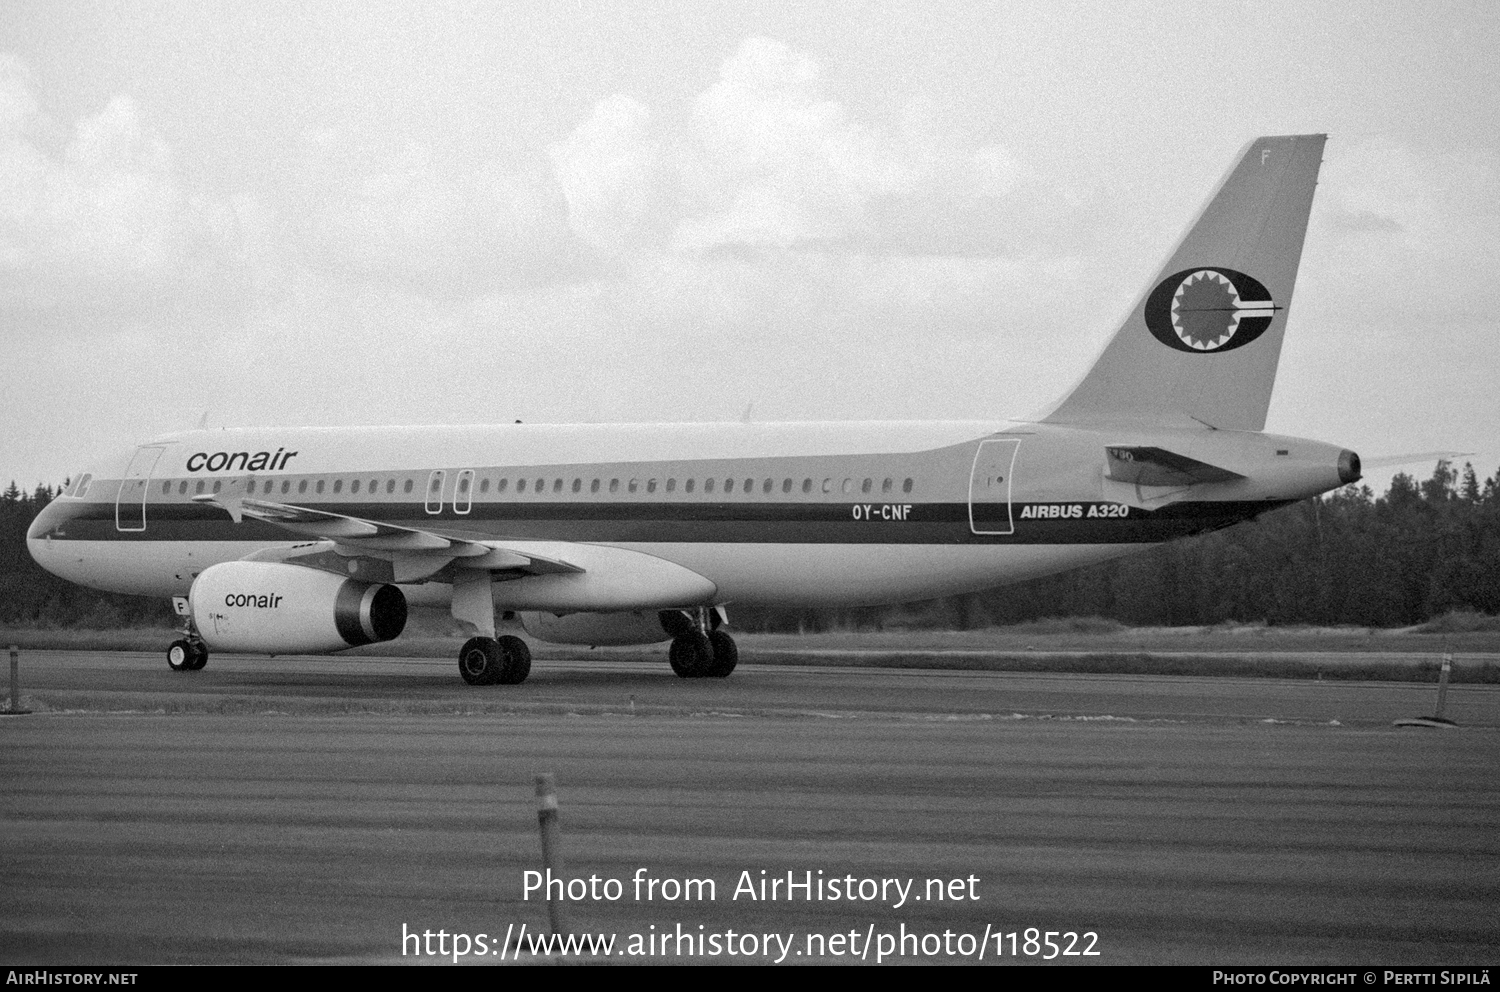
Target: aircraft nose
{"points": [[43, 524], [1348, 467]]}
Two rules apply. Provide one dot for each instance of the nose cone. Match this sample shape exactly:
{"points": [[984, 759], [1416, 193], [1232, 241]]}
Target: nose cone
{"points": [[1348, 467], [42, 525]]}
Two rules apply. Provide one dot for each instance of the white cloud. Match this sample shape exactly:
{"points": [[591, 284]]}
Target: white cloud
{"points": [[105, 226], [443, 229], [621, 194]]}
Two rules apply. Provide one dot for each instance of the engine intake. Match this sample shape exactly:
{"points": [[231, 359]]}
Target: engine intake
{"points": [[277, 608]]}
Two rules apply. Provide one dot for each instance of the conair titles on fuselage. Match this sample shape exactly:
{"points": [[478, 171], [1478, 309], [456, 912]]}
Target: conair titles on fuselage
{"points": [[239, 461]]}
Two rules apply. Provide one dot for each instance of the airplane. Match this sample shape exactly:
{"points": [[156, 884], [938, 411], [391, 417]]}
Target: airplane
{"points": [[296, 541]]}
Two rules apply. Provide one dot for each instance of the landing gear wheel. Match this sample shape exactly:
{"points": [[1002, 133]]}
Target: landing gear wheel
{"points": [[517, 660], [180, 656], [200, 656], [691, 655], [726, 654], [480, 662]]}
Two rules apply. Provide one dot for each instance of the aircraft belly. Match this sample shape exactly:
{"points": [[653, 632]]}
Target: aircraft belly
{"points": [[137, 568], [855, 574]]}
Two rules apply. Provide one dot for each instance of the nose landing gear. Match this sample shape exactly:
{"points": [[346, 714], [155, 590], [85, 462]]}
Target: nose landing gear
{"points": [[188, 653]]}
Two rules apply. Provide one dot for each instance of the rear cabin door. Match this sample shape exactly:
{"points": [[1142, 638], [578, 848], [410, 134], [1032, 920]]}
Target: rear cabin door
{"points": [[989, 487], [130, 504]]}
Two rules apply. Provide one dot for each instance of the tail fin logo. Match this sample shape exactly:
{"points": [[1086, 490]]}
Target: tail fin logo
{"points": [[1209, 310]]}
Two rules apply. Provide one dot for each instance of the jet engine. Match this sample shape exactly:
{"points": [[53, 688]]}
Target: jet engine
{"points": [[275, 608]]}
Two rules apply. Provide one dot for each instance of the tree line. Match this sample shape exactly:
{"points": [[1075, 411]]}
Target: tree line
{"points": [[1422, 549]]}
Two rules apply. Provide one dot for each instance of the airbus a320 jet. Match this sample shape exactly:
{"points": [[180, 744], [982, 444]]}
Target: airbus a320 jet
{"points": [[292, 541]]}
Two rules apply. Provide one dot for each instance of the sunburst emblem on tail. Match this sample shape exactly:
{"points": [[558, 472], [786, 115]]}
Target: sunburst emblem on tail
{"points": [[1209, 310]]}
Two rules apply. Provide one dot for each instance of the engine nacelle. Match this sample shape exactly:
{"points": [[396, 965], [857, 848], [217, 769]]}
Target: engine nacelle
{"points": [[596, 629], [274, 608]]}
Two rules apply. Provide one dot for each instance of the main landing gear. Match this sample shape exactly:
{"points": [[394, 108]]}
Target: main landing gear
{"points": [[504, 660], [700, 650]]}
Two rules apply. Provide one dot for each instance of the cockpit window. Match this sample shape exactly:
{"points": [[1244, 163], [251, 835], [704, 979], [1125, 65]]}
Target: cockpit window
{"points": [[83, 485]]}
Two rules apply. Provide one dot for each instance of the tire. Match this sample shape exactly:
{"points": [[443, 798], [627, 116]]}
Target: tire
{"points": [[200, 657], [516, 660], [480, 661], [726, 654], [691, 655], [180, 656]]}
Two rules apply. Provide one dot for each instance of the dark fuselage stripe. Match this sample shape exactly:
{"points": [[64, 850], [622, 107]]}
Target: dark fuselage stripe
{"points": [[695, 522]]}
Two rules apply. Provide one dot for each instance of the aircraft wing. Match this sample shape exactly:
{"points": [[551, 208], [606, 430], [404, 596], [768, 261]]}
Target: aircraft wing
{"points": [[413, 553]]}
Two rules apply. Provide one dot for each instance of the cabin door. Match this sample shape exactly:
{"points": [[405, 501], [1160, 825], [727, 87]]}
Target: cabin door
{"points": [[130, 504], [989, 487]]}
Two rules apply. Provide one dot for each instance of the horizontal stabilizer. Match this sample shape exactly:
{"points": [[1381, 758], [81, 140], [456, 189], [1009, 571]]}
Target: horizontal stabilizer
{"points": [[1386, 461], [1147, 466]]}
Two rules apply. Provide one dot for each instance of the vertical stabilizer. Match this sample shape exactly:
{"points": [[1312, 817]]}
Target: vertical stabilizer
{"points": [[1202, 342]]}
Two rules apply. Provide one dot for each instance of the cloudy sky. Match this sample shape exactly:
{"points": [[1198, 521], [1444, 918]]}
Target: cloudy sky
{"points": [[355, 212]]}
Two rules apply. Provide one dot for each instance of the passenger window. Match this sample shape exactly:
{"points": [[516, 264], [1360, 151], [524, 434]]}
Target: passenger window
{"points": [[320, 487], [708, 485], [286, 485], [557, 484], [218, 484], [687, 486], [410, 485], [906, 486], [166, 487], [614, 485], [807, 485], [374, 486], [885, 486], [181, 488], [578, 485], [786, 485], [520, 485], [390, 485], [249, 487], [766, 487], [198, 489], [749, 487], [500, 486], [338, 485], [671, 485], [594, 486], [484, 485], [354, 487], [541, 485], [828, 485], [650, 485], [633, 484], [866, 485]]}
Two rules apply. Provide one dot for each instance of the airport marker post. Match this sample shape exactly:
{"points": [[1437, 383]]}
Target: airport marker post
{"points": [[546, 817], [15, 683], [1443, 684]]}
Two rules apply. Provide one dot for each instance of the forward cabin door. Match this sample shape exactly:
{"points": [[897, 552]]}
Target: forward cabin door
{"points": [[130, 504], [989, 487]]}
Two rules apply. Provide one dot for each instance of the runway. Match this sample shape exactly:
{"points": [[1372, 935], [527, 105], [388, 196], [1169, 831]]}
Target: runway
{"points": [[291, 809]]}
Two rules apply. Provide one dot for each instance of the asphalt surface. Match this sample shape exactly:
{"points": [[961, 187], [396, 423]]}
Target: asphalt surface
{"points": [[306, 810]]}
